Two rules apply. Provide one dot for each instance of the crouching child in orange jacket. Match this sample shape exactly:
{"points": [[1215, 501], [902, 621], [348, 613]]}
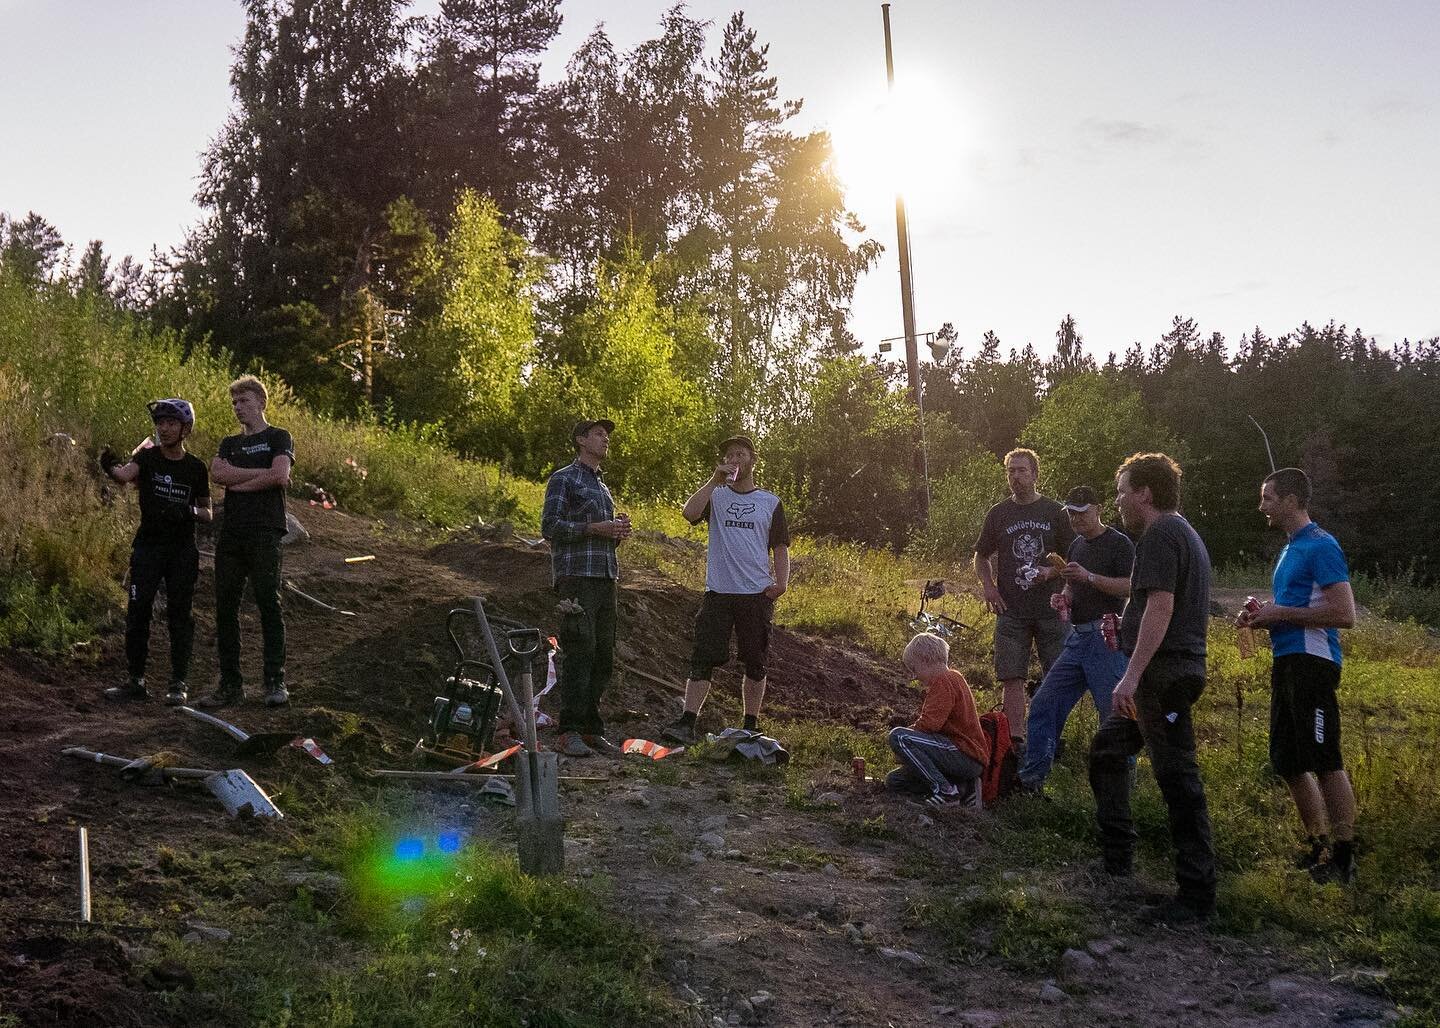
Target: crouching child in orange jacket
{"points": [[944, 752]]}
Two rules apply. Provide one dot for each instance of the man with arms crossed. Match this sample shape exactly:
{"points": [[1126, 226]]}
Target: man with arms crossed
{"points": [[1018, 532], [1163, 633], [580, 522], [747, 526], [1313, 601], [1097, 580], [254, 467]]}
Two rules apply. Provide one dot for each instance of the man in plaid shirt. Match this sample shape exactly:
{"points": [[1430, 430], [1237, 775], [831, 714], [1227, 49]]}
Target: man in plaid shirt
{"points": [[580, 522]]}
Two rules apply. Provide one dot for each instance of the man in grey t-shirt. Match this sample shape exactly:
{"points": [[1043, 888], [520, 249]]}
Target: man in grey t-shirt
{"points": [[747, 526], [1163, 634]]}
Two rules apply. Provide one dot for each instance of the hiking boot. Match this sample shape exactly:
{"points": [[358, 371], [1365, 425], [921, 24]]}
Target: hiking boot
{"points": [[133, 689], [276, 695], [223, 696], [1312, 857], [569, 744], [1339, 867], [681, 731], [602, 745], [1176, 913], [176, 695]]}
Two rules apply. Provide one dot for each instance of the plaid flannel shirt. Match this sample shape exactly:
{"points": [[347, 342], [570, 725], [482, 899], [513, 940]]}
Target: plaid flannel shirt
{"points": [[575, 496]]}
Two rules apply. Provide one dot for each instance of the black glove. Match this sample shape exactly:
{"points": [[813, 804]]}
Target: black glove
{"points": [[175, 514], [108, 460]]}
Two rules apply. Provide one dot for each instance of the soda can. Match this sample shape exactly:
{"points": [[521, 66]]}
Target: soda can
{"points": [[857, 768], [1108, 630]]}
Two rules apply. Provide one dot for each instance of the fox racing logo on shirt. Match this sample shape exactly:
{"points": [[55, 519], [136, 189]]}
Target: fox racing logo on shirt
{"points": [[736, 511]]}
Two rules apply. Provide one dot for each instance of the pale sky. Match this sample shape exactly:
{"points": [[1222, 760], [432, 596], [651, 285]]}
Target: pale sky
{"points": [[1241, 163]]}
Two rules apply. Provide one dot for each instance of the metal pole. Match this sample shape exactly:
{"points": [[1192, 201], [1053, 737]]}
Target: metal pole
{"points": [[907, 290], [1267, 442], [84, 876]]}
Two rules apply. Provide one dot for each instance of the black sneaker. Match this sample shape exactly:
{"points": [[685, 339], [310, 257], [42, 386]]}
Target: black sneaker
{"points": [[133, 689], [681, 731], [276, 695], [176, 695], [224, 696]]}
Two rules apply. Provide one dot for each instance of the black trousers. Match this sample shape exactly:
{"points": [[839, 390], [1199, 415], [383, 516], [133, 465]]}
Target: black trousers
{"points": [[587, 652], [252, 556], [178, 566], [1166, 731]]}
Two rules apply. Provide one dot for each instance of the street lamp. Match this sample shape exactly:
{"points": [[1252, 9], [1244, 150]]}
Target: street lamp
{"points": [[940, 345]]}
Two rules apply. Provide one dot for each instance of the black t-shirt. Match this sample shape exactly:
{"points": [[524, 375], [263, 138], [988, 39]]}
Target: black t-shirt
{"points": [[1110, 554], [1171, 558], [1020, 537], [265, 508], [168, 489]]}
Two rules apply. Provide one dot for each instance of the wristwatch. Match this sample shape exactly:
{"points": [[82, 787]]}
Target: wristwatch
{"points": [[1090, 577]]}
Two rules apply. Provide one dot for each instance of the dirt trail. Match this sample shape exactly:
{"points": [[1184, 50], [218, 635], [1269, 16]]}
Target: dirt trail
{"points": [[806, 907]]}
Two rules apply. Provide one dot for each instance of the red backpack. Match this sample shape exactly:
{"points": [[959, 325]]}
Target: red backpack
{"points": [[1002, 771]]}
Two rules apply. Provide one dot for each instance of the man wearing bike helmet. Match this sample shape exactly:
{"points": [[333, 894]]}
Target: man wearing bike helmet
{"points": [[174, 494]]}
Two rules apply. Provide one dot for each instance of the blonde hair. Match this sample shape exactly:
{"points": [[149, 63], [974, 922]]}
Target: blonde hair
{"points": [[250, 384], [1029, 455], [928, 650]]}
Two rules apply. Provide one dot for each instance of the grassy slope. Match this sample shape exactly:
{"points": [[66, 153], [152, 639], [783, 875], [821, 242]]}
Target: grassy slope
{"points": [[64, 367]]}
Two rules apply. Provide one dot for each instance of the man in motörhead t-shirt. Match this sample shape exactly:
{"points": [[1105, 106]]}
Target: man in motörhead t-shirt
{"points": [[1010, 563], [747, 526], [254, 467], [174, 494]]}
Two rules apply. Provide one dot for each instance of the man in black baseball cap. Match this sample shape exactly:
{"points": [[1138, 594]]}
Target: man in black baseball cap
{"points": [[1097, 582], [583, 530], [747, 568]]}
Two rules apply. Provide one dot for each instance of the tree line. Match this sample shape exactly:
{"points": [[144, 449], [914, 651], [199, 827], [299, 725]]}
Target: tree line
{"points": [[405, 224]]}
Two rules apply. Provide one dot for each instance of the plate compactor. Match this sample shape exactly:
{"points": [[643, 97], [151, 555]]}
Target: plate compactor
{"points": [[463, 719]]}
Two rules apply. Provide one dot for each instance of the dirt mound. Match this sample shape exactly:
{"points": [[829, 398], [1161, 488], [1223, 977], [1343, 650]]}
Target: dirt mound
{"points": [[59, 979]]}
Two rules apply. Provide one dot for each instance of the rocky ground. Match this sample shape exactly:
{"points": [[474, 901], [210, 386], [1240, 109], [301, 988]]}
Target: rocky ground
{"points": [[776, 897]]}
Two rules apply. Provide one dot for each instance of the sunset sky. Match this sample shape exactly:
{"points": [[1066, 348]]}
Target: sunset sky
{"points": [[1240, 163]]}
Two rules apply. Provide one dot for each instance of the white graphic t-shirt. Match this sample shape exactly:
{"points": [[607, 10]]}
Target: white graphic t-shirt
{"points": [[744, 528]]}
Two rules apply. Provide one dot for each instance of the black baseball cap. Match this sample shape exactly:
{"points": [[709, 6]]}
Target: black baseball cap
{"points": [[743, 440], [581, 427], [1082, 497]]}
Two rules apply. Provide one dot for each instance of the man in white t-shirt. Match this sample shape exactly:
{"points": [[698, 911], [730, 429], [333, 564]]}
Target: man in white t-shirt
{"points": [[747, 527]]}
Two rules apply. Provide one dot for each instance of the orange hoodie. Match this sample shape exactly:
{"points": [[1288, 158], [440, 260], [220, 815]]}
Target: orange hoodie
{"points": [[949, 710]]}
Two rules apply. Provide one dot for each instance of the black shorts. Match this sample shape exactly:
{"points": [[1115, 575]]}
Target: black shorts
{"points": [[747, 616], [1304, 715]]}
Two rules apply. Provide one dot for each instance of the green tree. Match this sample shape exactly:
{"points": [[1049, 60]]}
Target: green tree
{"points": [[620, 365], [479, 125], [470, 331], [1085, 428]]}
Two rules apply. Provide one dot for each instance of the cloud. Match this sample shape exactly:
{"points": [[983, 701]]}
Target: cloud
{"points": [[1396, 105], [1121, 132]]}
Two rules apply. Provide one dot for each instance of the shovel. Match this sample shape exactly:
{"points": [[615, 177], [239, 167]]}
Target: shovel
{"points": [[235, 789], [247, 745]]}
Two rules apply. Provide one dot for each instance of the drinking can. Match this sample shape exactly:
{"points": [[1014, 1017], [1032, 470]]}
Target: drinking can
{"points": [[1109, 631]]}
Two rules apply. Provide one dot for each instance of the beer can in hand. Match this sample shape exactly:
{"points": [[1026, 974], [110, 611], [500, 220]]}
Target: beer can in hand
{"points": [[1109, 631]]}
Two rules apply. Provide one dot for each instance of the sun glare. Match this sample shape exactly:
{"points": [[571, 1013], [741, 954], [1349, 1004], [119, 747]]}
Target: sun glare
{"points": [[909, 139]]}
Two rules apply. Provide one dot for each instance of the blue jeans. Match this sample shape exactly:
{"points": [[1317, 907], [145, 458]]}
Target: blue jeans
{"points": [[1085, 664]]}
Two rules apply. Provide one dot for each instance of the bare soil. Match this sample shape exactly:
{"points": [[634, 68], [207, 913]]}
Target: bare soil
{"points": [[801, 900]]}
